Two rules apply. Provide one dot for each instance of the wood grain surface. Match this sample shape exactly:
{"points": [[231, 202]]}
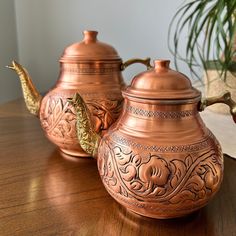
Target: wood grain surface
{"points": [[43, 192]]}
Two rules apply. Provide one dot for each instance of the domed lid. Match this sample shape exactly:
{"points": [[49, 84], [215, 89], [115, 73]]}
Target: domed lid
{"points": [[89, 49], [161, 83]]}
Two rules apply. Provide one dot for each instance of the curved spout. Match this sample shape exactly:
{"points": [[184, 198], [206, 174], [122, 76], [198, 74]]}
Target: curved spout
{"points": [[88, 138], [31, 95]]}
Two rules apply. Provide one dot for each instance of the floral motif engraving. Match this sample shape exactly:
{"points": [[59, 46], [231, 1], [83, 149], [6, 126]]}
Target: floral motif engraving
{"points": [[161, 114], [159, 178], [104, 112], [155, 172], [59, 118]]}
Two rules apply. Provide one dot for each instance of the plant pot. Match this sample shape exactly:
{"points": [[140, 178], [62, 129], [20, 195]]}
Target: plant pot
{"points": [[215, 85]]}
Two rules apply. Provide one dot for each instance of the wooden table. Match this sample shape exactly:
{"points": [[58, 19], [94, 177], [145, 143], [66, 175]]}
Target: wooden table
{"points": [[44, 193]]}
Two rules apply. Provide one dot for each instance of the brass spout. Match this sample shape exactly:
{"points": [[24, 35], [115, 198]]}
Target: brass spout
{"points": [[31, 95], [88, 138]]}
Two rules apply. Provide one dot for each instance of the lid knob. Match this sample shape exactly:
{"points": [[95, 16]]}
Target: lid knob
{"points": [[161, 64], [90, 36]]}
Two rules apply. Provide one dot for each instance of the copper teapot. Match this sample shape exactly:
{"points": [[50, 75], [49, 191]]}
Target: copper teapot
{"points": [[159, 159], [91, 68]]}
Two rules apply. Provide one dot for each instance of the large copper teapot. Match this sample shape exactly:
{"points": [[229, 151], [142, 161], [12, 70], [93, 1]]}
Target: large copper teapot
{"points": [[91, 68], [159, 159]]}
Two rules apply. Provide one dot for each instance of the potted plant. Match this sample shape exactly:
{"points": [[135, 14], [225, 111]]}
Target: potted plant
{"points": [[209, 29]]}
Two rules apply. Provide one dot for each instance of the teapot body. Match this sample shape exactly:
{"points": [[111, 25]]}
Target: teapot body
{"points": [[100, 85], [159, 159]]}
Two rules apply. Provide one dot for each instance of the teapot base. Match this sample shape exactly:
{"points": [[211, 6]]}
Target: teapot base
{"points": [[76, 154], [163, 217], [155, 211]]}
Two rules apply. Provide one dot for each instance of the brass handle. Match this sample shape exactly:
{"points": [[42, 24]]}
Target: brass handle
{"points": [[224, 98], [145, 62]]}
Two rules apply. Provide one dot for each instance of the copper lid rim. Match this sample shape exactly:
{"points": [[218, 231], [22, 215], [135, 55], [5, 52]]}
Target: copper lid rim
{"points": [[89, 57], [163, 95], [163, 101], [88, 60]]}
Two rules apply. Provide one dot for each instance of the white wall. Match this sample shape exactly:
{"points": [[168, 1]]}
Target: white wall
{"points": [[136, 28], [9, 85]]}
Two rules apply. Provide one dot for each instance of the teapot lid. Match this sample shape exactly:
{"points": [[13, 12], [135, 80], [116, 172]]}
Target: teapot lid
{"points": [[161, 82], [89, 49]]}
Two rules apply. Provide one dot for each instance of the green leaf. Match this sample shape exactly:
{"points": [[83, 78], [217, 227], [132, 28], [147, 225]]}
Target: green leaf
{"points": [[218, 19]]}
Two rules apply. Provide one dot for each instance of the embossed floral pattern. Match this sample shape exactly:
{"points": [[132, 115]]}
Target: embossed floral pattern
{"points": [[160, 179], [59, 119], [104, 112], [154, 172]]}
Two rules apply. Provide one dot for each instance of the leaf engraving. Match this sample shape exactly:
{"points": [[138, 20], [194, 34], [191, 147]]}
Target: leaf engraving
{"points": [[188, 161], [178, 173]]}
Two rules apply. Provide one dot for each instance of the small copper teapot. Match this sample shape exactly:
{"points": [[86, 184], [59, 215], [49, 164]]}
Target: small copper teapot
{"points": [[159, 159], [91, 68]]}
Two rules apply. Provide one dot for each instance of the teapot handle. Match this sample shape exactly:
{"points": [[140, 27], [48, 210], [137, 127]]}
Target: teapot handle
{"points": [[145, 62], [224, 98]]}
